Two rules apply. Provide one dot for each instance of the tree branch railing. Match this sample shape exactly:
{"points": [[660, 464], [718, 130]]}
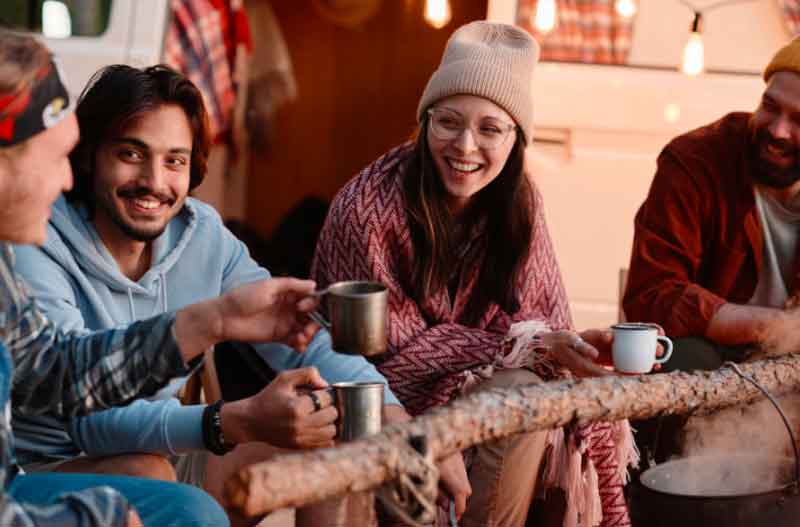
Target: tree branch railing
{"points": [[300, 479]]}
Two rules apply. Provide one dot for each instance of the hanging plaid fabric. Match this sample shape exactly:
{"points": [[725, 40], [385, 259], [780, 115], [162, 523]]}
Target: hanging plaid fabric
{"points": [[588, 31], [235, 28], [195, 46]]}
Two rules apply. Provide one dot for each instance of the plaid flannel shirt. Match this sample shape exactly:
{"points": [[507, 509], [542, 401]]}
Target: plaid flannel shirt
{"points": [[42, 370]]}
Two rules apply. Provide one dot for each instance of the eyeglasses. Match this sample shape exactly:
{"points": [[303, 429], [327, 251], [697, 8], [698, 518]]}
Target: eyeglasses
{"points": [[448, 125]]}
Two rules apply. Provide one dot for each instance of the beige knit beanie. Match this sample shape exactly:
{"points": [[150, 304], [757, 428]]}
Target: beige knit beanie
{"points": [[490, 60], [786, 59]]}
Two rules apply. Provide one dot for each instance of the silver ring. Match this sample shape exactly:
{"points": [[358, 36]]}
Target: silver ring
{"points": [[315, 399]]}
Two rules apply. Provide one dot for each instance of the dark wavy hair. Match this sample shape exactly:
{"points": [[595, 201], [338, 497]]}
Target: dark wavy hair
{"points": [[118, 94], [506, 204]]}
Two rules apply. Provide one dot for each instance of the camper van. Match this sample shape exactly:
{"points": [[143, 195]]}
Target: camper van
{"points": [[599, 127]]}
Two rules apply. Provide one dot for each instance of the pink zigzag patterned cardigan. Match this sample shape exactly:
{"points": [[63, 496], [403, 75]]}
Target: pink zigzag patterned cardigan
{"points": [[431, 355]]}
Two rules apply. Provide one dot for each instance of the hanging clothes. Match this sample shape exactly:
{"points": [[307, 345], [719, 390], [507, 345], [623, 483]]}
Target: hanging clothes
{"points": [[201, 42]]}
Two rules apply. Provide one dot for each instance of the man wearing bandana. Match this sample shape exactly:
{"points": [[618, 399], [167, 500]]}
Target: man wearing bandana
{"points": [[44, 370], [716, 254]]}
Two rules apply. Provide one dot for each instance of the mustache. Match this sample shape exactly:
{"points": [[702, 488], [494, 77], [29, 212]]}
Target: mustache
{"points": [[765, 138], [142, 192]]}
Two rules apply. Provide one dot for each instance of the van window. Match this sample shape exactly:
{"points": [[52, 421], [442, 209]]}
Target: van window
{"points": [[57, 18]]}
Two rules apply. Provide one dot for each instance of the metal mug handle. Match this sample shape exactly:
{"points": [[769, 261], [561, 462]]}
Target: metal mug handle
{"points": [[777, 406], [452, 515], [317, 317]]}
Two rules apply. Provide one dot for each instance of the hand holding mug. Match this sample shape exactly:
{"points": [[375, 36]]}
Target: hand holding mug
{"points": [[295, 410], [574, 352]]}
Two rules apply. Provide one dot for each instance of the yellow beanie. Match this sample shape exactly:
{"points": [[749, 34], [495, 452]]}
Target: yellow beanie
{"points": [[786, 59], [490, 60]]}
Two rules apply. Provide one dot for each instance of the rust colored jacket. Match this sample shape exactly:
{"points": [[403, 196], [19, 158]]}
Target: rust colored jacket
{"points": [[698, 241]]}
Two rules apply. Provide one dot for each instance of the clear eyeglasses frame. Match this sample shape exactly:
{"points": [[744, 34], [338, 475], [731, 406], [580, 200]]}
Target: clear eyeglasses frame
{"points": [[447, 125]]}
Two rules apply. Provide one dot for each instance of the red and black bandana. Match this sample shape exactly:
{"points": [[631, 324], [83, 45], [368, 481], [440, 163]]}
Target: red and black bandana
{"points": [[27, 112]]}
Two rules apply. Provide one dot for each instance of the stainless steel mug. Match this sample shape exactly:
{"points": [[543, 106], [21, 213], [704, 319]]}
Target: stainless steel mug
{"points": [[360, 407], [357, 317]]}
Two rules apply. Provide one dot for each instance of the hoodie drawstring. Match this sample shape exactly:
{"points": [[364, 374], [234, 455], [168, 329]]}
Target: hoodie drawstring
{"points": [[130, 304], [163, 292]]}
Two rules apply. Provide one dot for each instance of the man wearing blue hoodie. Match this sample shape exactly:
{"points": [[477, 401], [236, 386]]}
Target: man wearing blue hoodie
{"points": [[127, 243]]}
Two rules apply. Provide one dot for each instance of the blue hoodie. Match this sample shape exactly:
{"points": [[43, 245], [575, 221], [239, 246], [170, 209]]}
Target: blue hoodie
{"points": [[78, 284]]}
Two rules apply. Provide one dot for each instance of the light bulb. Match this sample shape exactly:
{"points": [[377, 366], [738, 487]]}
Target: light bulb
{"points": [[693, 55], [438, 13], [672, 112], [545, 19], [626, 8]]}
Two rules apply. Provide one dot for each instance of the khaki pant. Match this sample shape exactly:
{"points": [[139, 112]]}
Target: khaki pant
{"points": [[505, 473], [504, 477], [353, 510]]}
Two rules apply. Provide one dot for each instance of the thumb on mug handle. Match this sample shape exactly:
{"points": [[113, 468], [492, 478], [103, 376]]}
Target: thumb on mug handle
{"points": [[667, 342]]}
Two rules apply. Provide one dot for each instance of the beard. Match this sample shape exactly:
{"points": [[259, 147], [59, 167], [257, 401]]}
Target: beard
{"points": [[765, 170], [140, 234], [137, 233]]}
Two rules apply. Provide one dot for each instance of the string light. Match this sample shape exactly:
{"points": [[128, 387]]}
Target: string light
{"points": [[438, 13], [694, 52], [625, 8], [672, 113], [545, 18]]}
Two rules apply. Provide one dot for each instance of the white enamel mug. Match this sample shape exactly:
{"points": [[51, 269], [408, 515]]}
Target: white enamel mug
{"points": [[635, 345]]}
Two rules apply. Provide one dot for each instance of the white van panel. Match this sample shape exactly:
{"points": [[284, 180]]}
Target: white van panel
{"points": [[135, 35], [147, 42]]}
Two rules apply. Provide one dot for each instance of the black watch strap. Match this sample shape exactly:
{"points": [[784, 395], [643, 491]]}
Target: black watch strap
{"points": [[213, 438]]}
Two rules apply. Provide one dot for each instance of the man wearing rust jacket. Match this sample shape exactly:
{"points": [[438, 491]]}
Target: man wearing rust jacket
{"points": [[716, 252]]}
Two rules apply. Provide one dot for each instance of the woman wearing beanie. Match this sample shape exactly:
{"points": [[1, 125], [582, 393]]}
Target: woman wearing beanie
{"points": [[452, 225]]}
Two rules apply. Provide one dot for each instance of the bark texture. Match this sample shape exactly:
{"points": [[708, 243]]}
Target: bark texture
{"points": [[299, 479]]}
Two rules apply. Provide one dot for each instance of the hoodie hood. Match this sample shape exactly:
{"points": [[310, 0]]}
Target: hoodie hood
{"points": [[79, 284], [78, 234], [77, 241]]}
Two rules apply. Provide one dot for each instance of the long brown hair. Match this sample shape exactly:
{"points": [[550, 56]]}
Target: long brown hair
{"points": [[506, 204]]}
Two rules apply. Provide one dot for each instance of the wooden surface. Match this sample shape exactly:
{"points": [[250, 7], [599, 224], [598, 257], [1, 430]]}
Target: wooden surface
{"points": [[299, 479], [358, 91]]}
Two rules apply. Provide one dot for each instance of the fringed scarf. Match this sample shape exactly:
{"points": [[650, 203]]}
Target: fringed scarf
{"points": [[432, 357]]}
